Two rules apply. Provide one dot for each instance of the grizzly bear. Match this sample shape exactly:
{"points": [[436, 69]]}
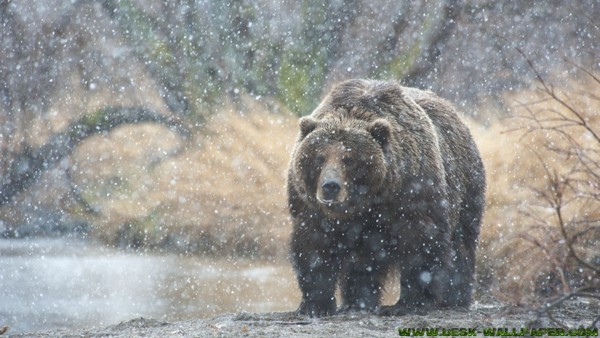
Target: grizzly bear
{"points": [[384, 178]]}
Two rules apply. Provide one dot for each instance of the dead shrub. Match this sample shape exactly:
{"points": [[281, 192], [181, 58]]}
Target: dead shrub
{"points": [[543, 216]]}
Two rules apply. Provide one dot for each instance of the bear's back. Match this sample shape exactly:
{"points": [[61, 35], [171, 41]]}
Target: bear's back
{"points": [[464, 171]]}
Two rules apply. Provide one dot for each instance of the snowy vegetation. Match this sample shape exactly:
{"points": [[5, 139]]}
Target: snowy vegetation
{"points": [[168, 125]]}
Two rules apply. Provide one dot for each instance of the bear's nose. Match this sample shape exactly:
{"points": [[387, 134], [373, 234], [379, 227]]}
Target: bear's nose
{"points": [[330, 189]]}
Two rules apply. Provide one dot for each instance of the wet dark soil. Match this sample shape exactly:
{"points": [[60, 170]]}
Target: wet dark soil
{"points": [[478, 320]]}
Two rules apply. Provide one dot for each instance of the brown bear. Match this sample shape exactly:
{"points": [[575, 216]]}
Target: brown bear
{"points": [[384, 178]]}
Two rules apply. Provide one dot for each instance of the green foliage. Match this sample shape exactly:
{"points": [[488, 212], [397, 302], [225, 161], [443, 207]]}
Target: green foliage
{"points": [[401, 64], [304, 67], [300, 80], [137, 233], [180, 64], [197, 70], [93, 119]]}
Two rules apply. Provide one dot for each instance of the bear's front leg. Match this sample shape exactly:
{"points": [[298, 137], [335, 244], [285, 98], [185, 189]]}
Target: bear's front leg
{"points": [[362, 279], [361, 289], [317, 272], [318, 295]]}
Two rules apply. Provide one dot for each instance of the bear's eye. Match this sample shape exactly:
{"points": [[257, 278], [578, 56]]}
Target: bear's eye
{"points": [[348, 160], [319, 160]]}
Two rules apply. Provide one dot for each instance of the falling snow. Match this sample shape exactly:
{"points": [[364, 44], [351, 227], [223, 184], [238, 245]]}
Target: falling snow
{"points": [[144, 148]]}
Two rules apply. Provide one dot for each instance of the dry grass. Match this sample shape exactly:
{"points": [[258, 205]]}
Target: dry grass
{"points": [[535, 168], [222, 192]]}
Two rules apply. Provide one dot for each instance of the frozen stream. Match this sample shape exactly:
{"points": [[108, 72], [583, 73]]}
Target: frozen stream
{"points": [[49, 284]]}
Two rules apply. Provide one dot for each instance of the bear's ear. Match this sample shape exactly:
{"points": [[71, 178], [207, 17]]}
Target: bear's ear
{"points": [[307, 124], [381, 130]]}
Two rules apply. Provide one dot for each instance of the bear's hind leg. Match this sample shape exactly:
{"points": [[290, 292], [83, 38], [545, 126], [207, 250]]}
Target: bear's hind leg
{"points": [[422, 289], [464, 241], [464, 245]]}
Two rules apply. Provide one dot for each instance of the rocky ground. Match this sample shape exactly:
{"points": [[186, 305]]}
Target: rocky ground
{"points": [[480, 318]]}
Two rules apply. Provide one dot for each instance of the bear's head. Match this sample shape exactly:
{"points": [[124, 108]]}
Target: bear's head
{"points": [[341, 166]]}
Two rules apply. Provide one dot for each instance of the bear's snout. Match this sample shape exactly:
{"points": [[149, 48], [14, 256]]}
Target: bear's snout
{"points": [[330, 188]]}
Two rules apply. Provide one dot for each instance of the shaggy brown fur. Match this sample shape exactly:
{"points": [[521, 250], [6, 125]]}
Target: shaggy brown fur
{"points": [[384, 177]]}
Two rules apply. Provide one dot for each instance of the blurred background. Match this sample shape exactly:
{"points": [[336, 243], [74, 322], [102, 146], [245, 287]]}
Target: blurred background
{"points": [[146, 143]]}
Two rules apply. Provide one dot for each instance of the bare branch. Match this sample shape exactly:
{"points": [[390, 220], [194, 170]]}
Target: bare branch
{"points": [[550, 91], [31, 163], [564, 219], [580, 292]]}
